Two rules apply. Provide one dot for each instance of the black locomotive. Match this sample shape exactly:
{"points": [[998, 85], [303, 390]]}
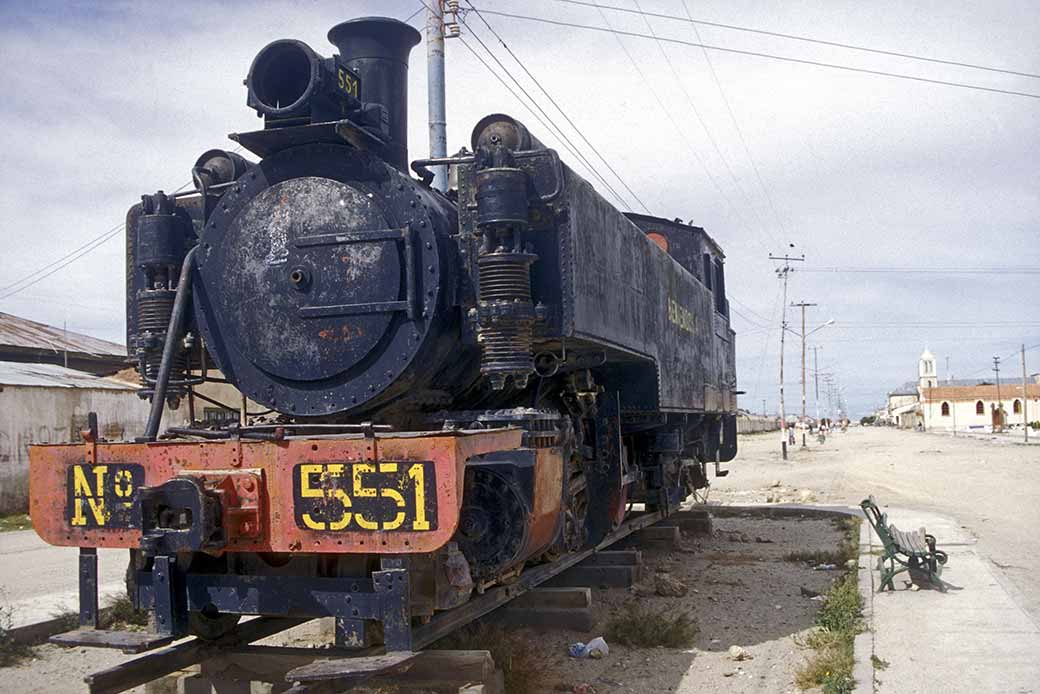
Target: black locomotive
{"points": [[584, 356]]}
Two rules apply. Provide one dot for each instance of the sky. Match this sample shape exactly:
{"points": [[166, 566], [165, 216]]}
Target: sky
{"points": [[891, 188]]}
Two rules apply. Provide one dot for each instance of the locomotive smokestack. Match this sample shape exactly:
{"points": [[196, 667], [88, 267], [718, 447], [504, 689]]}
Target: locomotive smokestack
{"points": [[377, 49]]}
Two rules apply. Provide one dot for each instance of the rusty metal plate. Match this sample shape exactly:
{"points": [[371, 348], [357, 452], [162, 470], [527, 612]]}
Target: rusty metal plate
{"points": [[440, 456]]}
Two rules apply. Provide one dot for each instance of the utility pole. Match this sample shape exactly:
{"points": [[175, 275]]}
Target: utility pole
{"points": [[435, 86], [763, 407], [1000, 403], [816, 378], [1025, 397], [803, 305], [949, 380], [783, 273], [828, 381]]}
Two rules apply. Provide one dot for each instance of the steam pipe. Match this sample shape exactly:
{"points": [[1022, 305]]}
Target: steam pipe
{"points": [[173, 333]]}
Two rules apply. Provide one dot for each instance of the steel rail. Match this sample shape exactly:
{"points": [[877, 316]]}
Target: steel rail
{"points": [[165, 661]]}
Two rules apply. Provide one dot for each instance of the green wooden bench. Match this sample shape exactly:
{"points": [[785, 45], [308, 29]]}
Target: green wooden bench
{"points": [[912, 551]]}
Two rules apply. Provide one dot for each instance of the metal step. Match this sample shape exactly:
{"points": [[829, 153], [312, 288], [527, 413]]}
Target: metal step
{"points": [[352, 668], [126, 641]]}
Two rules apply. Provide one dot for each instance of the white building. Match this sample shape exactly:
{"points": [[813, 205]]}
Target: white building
{"points": [[961, 405], [980, 407]]}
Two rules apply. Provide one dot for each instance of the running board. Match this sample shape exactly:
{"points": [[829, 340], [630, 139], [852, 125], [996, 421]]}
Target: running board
{"points": [[126, 641]]}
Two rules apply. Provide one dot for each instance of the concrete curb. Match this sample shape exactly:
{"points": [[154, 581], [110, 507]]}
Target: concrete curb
{"points": [[863, 647], [38, 632], [782, 510]]}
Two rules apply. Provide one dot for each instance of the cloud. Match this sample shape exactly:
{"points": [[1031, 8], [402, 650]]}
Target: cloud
{"points": [[110, 101]]}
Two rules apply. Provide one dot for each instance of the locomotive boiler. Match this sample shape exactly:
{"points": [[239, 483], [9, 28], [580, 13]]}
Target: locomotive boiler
{"points": [[452, 388]]}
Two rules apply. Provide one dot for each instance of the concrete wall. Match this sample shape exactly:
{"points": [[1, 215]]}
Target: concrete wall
{"points": [[35, 414], [754, 424]]}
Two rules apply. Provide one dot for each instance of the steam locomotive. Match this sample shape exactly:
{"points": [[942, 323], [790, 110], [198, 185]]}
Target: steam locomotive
{"points": [[457, 385]]}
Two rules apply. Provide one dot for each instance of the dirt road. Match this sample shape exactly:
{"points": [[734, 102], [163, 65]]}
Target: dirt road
{"points": [[992, 489]]}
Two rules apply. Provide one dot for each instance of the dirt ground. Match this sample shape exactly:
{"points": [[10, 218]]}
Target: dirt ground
{"points": [[990, 487], [742, 593]]}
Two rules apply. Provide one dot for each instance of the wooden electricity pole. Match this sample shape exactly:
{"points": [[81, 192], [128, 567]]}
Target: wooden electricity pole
{"points": [[999, 424], [782, 273], [803, 305], [1025, 398]]}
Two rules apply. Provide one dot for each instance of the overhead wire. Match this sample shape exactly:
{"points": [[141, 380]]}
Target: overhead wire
{"points": [[769, 56], [544, 119], [806, 39], [765, 341], [559, 108], [413, 14], [736, 125], [72, 256], [42, 273], [682, 134], [704, 126], [930, 270]]}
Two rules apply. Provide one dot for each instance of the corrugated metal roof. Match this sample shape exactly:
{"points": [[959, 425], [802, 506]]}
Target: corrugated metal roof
{"points": [[28, 334], [14, 373]]}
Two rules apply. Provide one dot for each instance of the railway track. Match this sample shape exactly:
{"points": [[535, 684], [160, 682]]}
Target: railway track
{"points": [[338, 671]]}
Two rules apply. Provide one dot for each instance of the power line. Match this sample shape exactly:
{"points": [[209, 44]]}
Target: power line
{"points": [[35, 274], [770, 56], [68, 261], [936, 324], [553, 101], [668, 114], [933, 270], [544, 119], [704, 125], [765, 342], [413, 14], [749, 309], [806, 39], [736, 124], [49, 269], [554, 129]]}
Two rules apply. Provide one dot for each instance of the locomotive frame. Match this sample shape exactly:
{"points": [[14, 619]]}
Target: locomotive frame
{"points": [[462, 387]]}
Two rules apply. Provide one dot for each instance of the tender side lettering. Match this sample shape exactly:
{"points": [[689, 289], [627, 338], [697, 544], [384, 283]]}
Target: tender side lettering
{"points": [[680, 316]]}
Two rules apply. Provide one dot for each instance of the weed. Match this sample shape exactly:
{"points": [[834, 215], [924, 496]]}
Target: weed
{"points": [[842, 610], [817, 556], [847, 549], [511, 651], [121, 614], [67, 619], [636, 625], [840, 619], [16, 521], [879, 663], [11, 652]]}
